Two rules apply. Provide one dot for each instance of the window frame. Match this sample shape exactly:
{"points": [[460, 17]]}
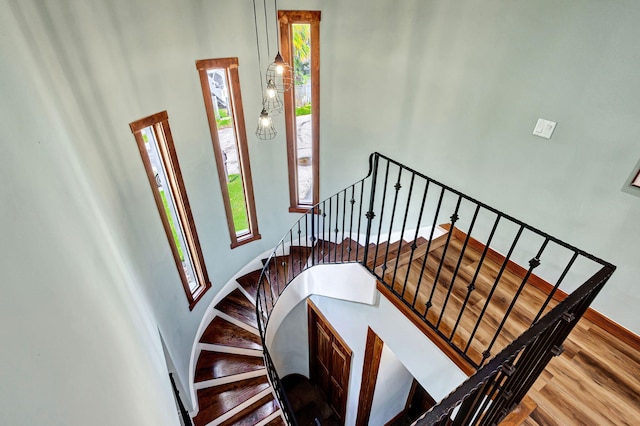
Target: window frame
{"points": [[235, 97], [286, 18], [159, 122]]}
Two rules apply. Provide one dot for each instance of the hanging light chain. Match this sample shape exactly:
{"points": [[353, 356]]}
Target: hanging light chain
{"points": [[255, 22], [265, 129]]}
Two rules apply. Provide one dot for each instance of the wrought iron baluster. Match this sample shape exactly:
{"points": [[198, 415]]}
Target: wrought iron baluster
{"points": [[486, 354], [426, 255], [455, 272], [336, 229], [370, 214], [471, 286], [454, 219], [269, 280], [352, 201], [314, 216], [344, 217], [404, 224], [415, 238], [324, 231], [364, 254], [555, 287], [384, 197], [533, 263], [397, 188]]}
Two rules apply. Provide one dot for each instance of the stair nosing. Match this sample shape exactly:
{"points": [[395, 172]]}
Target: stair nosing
{"points": [[271, 417], [236, 321], [238, 408], [205, 384], [212, 347]]}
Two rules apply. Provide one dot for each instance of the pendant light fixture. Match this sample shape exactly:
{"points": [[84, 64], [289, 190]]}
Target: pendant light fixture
{"points": [[265, 129], [279, 71], [272, 102]]}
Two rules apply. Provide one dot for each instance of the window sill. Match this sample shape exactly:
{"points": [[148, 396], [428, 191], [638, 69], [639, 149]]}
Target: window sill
{"points": [[246, 239], [198, 295]]}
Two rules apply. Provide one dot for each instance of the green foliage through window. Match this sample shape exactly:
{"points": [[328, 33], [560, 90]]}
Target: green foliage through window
{"points": [[238, 204], [172, 225], [303, 110]]}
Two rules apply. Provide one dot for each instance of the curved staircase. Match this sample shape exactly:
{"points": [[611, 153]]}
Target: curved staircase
{"points": [[230, 376]]}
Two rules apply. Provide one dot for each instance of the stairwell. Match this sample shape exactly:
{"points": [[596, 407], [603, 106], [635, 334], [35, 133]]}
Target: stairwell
{"points": [[496, 319], [230, 375]]}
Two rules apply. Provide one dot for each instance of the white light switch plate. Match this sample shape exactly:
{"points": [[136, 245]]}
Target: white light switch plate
{"points": [[544, 128]]}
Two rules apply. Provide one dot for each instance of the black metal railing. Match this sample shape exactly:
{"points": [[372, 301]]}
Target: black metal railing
{"points": [[182, 411], [456, 263]]}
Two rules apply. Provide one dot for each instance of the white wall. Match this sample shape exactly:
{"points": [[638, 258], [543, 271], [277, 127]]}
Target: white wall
{"points": [[392, 388], [407, 352], [290, 347], [431, 368], [79, 343]]}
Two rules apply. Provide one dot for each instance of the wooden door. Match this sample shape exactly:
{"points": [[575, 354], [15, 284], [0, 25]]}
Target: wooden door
{"points": [[419, 402], [329, 361], [372, 356]]}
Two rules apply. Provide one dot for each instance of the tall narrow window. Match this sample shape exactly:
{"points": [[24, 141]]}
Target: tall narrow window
{"points": [[161, 163], [300, 47], [223, 103]]}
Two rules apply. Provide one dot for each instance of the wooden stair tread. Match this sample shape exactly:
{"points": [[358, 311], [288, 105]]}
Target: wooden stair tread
{"points": [[300, 251], [237, 306], [249, 282], [386, 259], [322, 249], [278, 273], [345, 252], [217, 400], [214, 365], [276, 422], [254, 413], [222, 332], [282, 269], [376, 257]]}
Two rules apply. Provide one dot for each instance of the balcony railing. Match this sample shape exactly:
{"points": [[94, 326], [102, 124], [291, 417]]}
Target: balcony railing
{"points": [[455, 263]]}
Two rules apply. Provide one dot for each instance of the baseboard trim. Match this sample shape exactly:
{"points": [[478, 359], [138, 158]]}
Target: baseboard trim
{"points": [[597, 318]]}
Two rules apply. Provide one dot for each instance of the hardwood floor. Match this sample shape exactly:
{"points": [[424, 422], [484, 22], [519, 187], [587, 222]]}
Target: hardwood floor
{"points": [[447, 297], [596, 381]]}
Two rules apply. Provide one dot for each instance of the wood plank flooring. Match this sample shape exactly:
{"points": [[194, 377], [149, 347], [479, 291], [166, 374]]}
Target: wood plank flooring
{"points": [[596, 381], [446, 298]]}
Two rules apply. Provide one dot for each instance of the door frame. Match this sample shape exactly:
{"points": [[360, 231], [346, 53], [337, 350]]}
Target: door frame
{"points": [[372, 356], [313, 312]]}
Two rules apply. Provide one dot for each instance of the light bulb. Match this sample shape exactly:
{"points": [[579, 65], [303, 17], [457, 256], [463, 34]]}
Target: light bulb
{"points": [[265, 121], [279, 69], [271, 92]]}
